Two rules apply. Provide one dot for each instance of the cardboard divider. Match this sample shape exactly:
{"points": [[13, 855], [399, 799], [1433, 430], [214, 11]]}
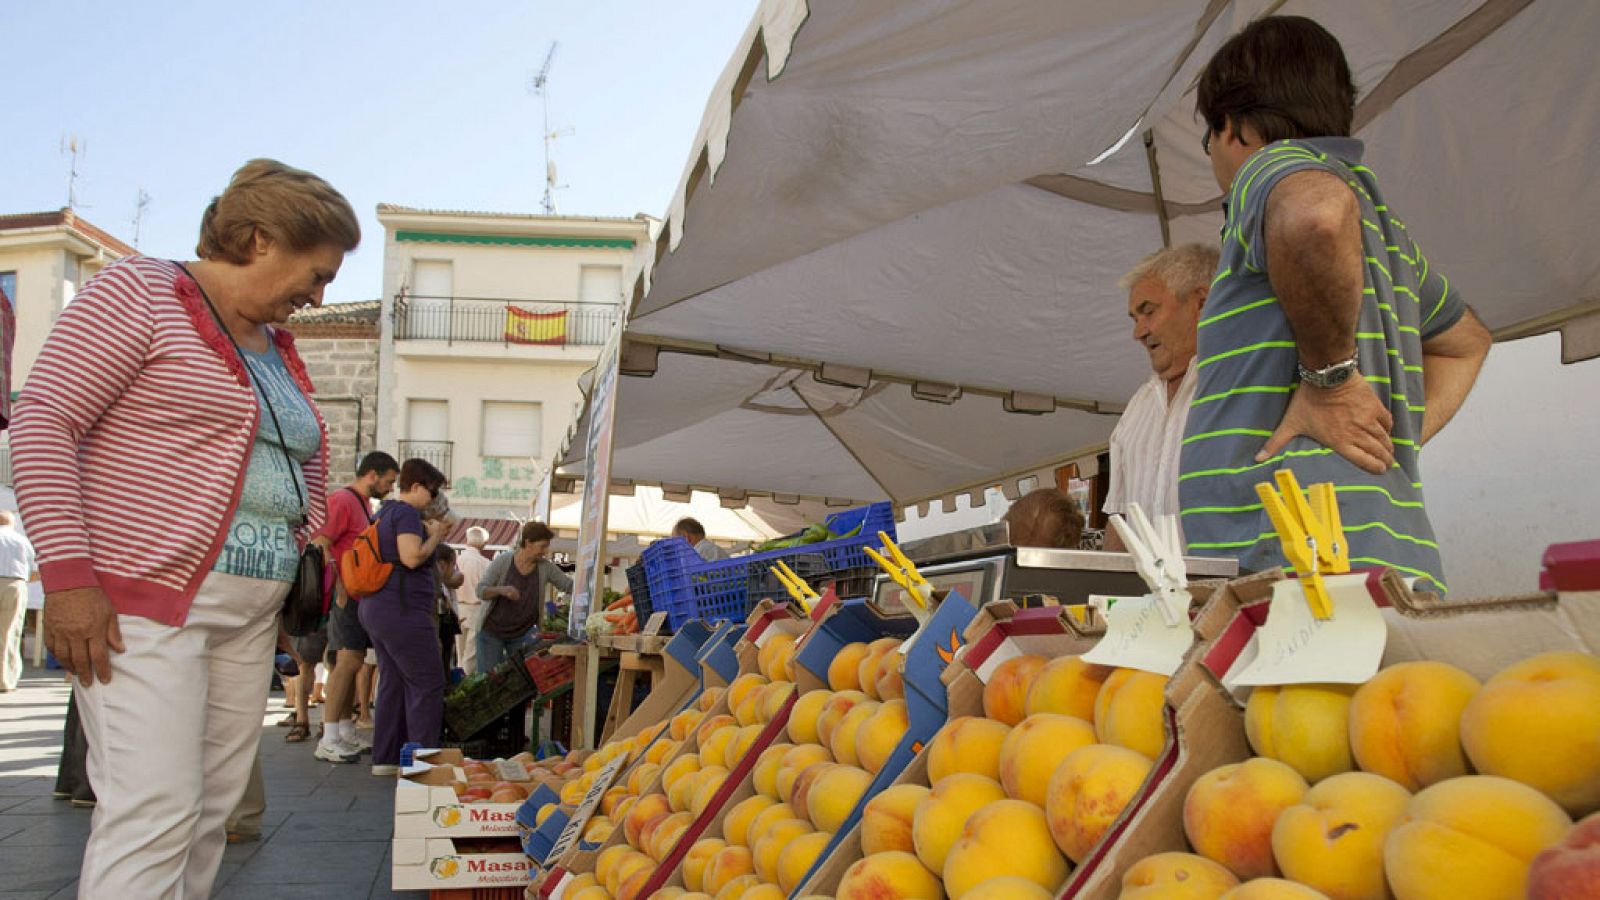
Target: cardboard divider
{"points": [[431, 864], [426, 804]]}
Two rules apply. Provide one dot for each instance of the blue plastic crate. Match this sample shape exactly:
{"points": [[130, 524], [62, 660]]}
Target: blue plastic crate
{"points": [[846, 553], [667, 564], [639, 587], [721, 589]]}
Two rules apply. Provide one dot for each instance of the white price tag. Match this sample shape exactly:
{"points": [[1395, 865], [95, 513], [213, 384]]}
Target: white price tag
{"points": [[656, 622], [1138, 636], [1295, 647], [591, 802]]}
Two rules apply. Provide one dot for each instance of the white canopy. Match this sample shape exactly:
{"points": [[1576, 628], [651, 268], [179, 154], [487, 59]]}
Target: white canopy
{"points": [[649, 514], [946, 192]]}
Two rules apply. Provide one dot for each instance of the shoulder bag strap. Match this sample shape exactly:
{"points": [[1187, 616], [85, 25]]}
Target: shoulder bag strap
{"points": [[260, 391]]}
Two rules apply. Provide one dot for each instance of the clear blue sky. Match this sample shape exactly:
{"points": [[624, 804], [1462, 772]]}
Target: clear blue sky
{"points": [[409, 102]]}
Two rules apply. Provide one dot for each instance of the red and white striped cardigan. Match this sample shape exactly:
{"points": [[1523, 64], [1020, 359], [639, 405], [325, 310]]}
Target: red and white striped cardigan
{"points": [[131, 438]]}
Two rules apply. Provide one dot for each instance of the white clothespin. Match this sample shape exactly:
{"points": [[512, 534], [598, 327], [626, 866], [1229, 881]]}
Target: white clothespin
{"points": [[1158, 555]]}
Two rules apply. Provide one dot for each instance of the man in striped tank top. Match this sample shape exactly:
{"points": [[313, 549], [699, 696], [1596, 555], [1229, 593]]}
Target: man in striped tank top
{"points": [[1329, 344]]}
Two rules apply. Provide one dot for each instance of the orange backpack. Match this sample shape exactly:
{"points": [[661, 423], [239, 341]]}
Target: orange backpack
{"points": [[362, 569]]}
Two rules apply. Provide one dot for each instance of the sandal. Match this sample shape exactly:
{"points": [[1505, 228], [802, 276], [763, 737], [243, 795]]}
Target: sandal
{"points": [[298, 733], [288, 720]]}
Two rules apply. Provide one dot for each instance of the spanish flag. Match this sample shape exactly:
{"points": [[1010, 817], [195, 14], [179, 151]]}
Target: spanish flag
{"points": [[524, 327]]}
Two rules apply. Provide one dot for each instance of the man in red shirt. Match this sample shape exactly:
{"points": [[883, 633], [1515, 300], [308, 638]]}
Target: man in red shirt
{"points": [[349, 513]]}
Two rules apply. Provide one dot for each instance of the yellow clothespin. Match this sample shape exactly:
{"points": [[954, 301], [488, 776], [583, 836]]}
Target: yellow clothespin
{"points": [[803, 593], [1312, 534], [902, 570]]}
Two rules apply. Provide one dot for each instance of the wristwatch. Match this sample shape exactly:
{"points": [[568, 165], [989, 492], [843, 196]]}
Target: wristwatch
{"points": [[1329, 376]]}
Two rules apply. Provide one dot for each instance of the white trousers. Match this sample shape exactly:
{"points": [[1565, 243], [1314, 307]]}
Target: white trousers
{"points": [[172, 738], [13, 607], [471, 615]]}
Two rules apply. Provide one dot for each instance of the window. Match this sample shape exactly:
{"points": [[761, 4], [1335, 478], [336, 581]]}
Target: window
{"points": [[428, 420], [8, 285], [600, 284], [511, 429]]}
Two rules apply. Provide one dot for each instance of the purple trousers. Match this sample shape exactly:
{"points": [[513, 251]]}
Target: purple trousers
{"points": [[411, 677]]}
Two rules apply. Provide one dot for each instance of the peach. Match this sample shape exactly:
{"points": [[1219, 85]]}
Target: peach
{"points": [[728, 864], [612, 798], [1035, 748], [878, 737], [1306, 726], [642, 812], [943, 812], [708, 782], [710, 697], [756, 892], [606, 862], [1129, 711], [683, 723], [585, 880], [843, 671], [696, 860], [1273, 889], [742, 744], [748, 712], [743, 686], [835, 796], [794, 763], [1405, 723], [641, 776], [797, 858], [803, 717], [1229, 812], [1538, 722], [598, 829], [880, 655], [629, 867], [765, 774], [1333, 839], [1571, 869], [1008, 887], [886, 819], [967, 744], [800, 797], [735, 889], [736, 821], [1067, 685], [632, 887], [662, 833], [767, 818], [771, 700], [687, 764], [545, 812], [843, 740], [1176, 876], [838, 706], [660, 750], [621, 812], [1007, 837], [589, 892], [714, 746], [1087, 793], [1005, 696], [764, 853], [1471, 837], [895, 875], [891, 681], [773, 657]]}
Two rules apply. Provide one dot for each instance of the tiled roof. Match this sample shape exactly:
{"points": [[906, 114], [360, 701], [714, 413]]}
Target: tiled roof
{"points": [[69, 219], [362, 312]]}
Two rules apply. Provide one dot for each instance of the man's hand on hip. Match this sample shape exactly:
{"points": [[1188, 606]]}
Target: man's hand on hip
{"points": [[1348, 419], [80, 628]]}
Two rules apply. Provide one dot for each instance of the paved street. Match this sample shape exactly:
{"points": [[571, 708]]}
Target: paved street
{"points": [[325, 833]]}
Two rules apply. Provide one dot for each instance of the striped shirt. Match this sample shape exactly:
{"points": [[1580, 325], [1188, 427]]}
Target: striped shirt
{"points": [[1145, 447], [1246, 365], [131, 438]]}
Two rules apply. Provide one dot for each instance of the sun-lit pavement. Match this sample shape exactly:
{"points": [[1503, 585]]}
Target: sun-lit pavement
{"points": [[325, 833]]}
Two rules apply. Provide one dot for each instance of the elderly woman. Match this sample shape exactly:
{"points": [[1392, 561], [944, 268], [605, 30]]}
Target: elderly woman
{"points": [[171, 465], [402, 619], [512, 591]]}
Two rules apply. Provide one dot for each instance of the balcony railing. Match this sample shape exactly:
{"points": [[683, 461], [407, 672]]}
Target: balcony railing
{"points": [[436, 452], [479, 320]]}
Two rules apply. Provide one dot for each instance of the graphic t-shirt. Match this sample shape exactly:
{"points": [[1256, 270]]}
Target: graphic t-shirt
{"points": [[407, 590], [260, 540]]}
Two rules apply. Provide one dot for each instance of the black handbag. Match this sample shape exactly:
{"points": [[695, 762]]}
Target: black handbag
{"points": [[303, 605]]}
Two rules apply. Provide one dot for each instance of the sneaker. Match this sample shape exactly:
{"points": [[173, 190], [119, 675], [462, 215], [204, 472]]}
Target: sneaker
{"points": [[385, 771], [355, 746], [335, 754]]}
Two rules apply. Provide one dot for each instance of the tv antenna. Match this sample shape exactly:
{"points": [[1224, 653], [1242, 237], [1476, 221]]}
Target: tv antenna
{"points": [[70, 148], [540, 86], [139, 206]]}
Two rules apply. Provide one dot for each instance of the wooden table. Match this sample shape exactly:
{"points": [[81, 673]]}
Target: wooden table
{"points": [[635, 654]]}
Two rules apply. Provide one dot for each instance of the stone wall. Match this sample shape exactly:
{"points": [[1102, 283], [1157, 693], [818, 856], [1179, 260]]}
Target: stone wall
{"points": [[345, 371]]}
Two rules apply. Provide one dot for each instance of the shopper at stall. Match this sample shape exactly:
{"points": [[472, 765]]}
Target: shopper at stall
{"points": [[401, 620], [692, 531], [448, 577], [1329, 345], [349, 513], [472, 564], [512, 591], [171, 467], [17, 569], [1046, 517], [1165, 293]]}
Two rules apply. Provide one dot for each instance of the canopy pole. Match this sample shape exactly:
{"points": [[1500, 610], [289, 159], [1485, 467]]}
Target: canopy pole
{"points": [[1155, 187]]}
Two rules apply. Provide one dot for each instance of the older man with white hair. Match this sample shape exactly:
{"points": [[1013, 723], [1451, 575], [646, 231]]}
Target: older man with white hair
{"points": [[17, 568], [1165, 292], [471, 563]]}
